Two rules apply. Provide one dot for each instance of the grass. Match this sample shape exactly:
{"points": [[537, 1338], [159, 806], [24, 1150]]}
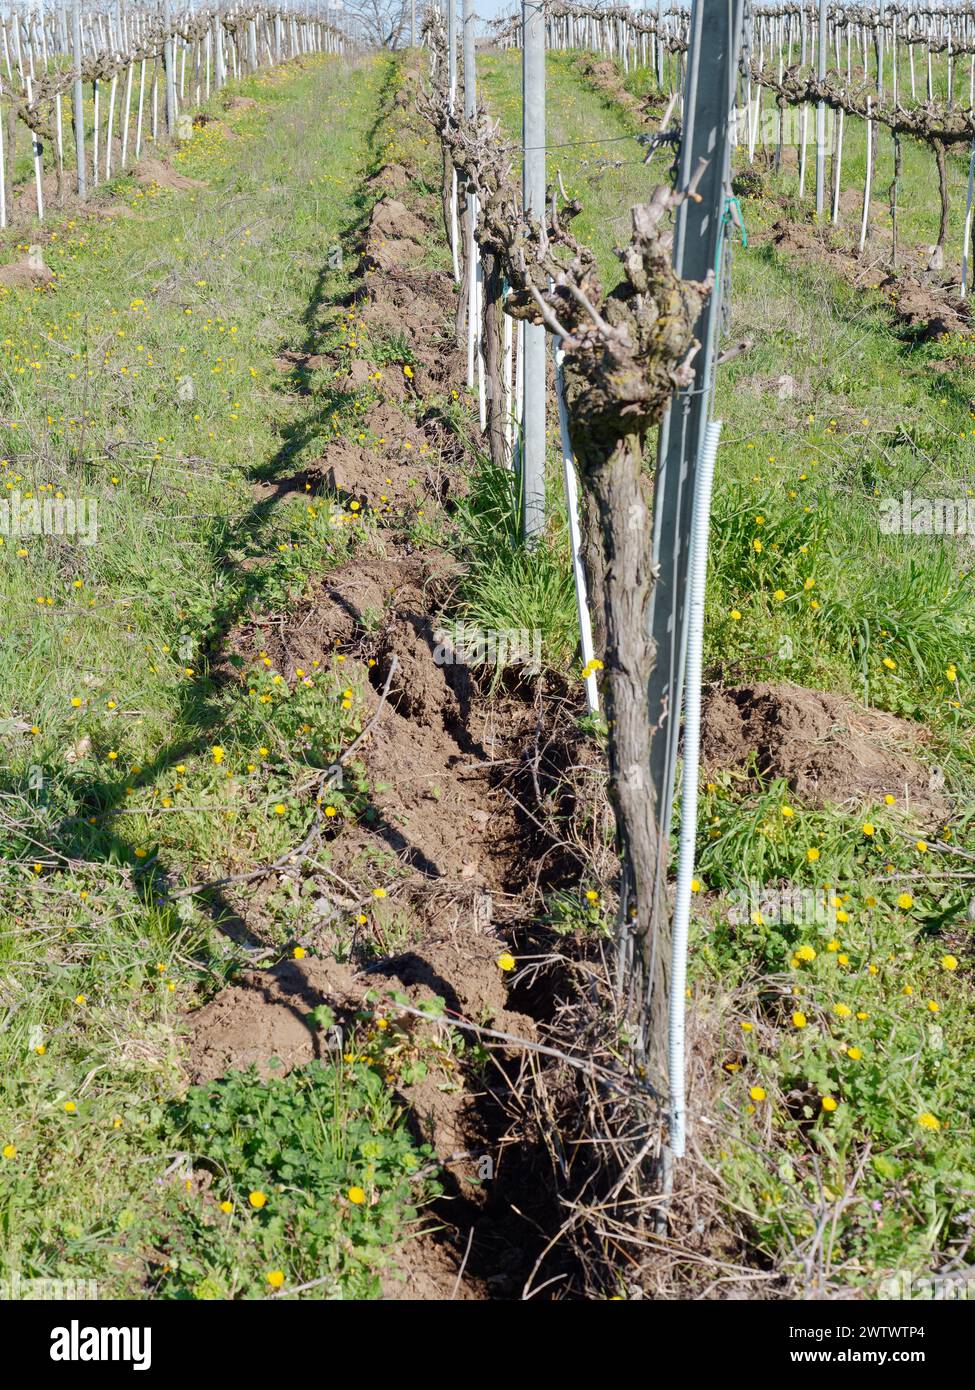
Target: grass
{"points": [[830, 967], [506, 588], [831, 961], [146, 385], [314, 1172]]}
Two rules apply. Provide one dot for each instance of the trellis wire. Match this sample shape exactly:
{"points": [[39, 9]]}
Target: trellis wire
{"points": [[793, 42]]}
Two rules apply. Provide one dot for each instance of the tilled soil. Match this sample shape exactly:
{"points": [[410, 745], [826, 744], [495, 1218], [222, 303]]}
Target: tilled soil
{"points": [[450, 775], [928, 308], [825, 747], [435, 763]]}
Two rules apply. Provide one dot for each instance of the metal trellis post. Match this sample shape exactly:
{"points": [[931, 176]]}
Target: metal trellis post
{"points": [[533, 139], [821, 114], [714, 51], [79, 102], [169, 62]]}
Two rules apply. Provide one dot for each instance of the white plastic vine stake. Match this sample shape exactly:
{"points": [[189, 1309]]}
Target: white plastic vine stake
{"points": [[533, 376], [575, 535], [868, 179], [966, 245]]}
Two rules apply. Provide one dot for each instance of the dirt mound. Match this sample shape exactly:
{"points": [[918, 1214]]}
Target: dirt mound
{"points": [[827, 748], [929, 310], [266, 1017], [436, 798], [432, 820], [213, 125], [344, 607], [391, 218], [110, 210], [29, 273], [391, 478], [409, 301], [375, 481], [391, 179], [237, 103], [925, 307], [795, 237], [153, 172], [392, 253], [427, 1272], [420, 691], [24, 199], [460, 966], [392, 237], [603, 75], [601, 70]]}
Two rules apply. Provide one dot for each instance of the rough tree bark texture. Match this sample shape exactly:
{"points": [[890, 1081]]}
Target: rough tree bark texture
{"points": [[446, 192], [492, 328], [894, 184], [942, 163], [617, 558], [11, 154], [466, 269]]}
